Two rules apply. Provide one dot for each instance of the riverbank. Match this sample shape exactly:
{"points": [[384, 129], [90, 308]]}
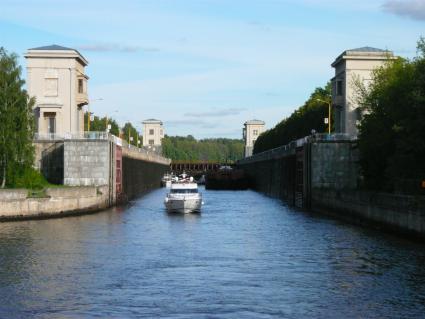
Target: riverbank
{"points": [[15, 204]]}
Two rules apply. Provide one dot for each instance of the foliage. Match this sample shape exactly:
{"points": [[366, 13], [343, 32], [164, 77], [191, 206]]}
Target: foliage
{"points": [[16, 122], [392, 131], [299, 124], [30, 179], [130, 131], [188, 148], [99, 124]]}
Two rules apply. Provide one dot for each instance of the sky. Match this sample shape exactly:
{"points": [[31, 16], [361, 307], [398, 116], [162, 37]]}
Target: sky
{"points": [[204, 67]]}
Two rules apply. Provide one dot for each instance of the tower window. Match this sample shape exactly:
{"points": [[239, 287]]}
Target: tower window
{"points": [[339, 87], [80, 86]]}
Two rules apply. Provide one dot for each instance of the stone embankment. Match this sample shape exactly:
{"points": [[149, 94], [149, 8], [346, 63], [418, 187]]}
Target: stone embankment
{"points": [[321, 174], [98, 170], [400, 213], [55, 202]]}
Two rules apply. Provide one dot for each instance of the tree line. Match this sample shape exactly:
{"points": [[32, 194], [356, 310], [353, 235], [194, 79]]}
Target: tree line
{"points": [[190, 149], [308, 117], [128, 132], [16, 126], [392, 131]]}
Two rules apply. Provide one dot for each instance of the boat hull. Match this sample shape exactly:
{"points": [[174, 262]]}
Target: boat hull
{"points": [[183, 206]]}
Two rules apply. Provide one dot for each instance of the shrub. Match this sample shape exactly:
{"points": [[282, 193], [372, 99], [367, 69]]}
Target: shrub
{"points": [[29, 178]]}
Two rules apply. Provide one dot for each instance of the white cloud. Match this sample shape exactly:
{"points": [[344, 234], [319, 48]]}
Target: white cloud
{"points": [[414, 9]]}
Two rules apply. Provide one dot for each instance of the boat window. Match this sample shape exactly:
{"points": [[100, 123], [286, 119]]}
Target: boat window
{"points": [[183, 191]]}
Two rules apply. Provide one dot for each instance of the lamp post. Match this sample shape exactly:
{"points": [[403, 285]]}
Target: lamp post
{"points": [[329, 103]]}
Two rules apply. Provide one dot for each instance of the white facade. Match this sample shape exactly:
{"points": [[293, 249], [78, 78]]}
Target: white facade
{"points": [[352, 66], [56, 78], [252, 129], [153, 133]]}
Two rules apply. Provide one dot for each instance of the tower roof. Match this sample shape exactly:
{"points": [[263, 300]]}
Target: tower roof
{"points": [[54, 47], [257, 122], [367, 49], [55, 50], [364, 53], [152, 121]]}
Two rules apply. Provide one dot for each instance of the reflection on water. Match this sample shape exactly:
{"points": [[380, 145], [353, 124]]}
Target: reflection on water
{"points": [[244, 256]]}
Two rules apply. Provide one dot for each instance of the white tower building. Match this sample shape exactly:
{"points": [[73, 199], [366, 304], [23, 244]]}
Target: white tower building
{"points": [[252, 129], [56, 78], [351, 66], [153, 133]]}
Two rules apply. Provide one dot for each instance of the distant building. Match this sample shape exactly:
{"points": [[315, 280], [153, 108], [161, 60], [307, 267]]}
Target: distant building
{"points": [[252, 129], [350, 66], [153, 133], [56, 78]]}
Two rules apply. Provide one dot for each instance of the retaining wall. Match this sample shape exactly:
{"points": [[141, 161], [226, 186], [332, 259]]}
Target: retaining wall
{"points": [[323, 176], [87, 162], [401, 213], [274, 177], [15, 205], [139, 176], [124, 171], [334, 165]]}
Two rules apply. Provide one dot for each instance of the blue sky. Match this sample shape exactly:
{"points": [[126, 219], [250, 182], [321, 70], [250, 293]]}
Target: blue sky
{"points": [[204, 67]]}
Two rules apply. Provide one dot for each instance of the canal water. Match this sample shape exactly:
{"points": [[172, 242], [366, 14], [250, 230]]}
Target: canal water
{"points": [[245, 256]]}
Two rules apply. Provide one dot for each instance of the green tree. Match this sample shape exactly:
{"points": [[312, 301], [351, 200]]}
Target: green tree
{"points": [[189, 149], [16, 122], [130, 131], [99, 124], [391, 133], [299, 124]]}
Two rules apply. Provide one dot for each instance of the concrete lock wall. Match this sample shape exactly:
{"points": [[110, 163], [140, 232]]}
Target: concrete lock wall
{"points": [[140, 176], [401, 213], [334, 165], [275, 177], [292, 175], [104, 163], [87, 162], [57, 202], [39, 147], [98, 173], [52, 163], [324, 176]]}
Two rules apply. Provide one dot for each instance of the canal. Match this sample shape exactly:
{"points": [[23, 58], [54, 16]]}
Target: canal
{"points": [[245, 256]]}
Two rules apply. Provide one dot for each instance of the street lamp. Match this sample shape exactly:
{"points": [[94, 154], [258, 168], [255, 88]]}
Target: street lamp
{"points": [[329, 103]]}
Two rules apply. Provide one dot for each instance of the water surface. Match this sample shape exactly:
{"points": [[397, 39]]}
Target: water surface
{"points": [[245, 256]]}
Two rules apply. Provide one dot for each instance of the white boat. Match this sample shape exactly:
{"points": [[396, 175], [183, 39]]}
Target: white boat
{"points": [[183, 197]]}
